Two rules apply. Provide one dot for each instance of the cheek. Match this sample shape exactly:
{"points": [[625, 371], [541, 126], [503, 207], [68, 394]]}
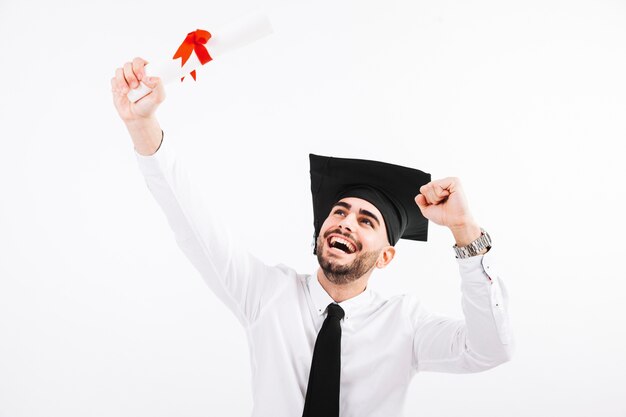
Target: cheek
{"points": [[373, 241], [327, 225], [368, 243]]}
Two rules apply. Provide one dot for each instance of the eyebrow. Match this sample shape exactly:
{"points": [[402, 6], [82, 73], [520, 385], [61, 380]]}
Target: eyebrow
{"points": [[361, 211]]}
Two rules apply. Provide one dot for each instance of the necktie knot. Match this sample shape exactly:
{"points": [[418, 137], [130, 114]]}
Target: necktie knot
{"points": [[335, 310]]}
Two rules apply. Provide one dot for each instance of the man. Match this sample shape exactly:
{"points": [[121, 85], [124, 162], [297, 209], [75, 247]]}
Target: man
{"points": [[324, 344]]}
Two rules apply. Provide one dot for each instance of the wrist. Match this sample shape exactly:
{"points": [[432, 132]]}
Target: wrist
{"points": [[478, 246], [141, 124], [146, 135], [465, 233]]}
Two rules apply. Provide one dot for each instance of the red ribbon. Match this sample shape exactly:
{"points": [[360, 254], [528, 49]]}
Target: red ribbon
{"points": [[194, 42]]}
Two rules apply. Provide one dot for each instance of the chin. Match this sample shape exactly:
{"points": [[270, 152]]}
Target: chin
{"points": [[345, 268]]}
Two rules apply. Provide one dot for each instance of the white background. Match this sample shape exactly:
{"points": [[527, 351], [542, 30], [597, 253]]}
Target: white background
{"points": [[102, 315]]}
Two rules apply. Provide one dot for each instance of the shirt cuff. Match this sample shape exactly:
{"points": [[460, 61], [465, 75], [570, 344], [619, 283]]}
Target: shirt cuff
{"points": [[479, 268]]}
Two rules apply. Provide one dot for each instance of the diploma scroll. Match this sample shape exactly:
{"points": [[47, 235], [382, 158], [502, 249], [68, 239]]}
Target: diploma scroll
{"points": [[223, 40]]}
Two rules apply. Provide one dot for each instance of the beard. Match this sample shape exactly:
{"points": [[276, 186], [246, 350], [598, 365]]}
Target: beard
{"points": [[342, 274]]}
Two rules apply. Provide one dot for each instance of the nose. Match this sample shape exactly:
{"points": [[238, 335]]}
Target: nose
{"points": [[348, 222]]}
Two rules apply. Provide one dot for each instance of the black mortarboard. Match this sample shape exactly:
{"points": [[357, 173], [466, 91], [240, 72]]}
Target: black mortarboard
{"points": [[390, 188]]}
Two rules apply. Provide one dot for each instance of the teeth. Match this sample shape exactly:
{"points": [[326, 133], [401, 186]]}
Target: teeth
{"points": [[343, 241]]}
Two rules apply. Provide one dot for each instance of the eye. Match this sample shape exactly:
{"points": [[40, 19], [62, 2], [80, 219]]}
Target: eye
{"points": [[368, 222], [340, 212]]}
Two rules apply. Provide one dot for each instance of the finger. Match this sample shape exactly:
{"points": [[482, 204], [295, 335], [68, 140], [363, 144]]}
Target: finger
{"points": [[421, 202], [138, 68], [433, 197], [448, 183], [438, 190], [423, 189], [130, 75], [158, 89], [115, 87], [151, 82], [429, 193], [122, 85]]}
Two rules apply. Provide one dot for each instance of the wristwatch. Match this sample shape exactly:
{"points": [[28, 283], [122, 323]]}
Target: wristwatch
{"points": [[473, 248]]}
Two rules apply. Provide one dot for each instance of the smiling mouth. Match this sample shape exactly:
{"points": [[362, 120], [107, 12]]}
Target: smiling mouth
{"points": [[341, 244]]}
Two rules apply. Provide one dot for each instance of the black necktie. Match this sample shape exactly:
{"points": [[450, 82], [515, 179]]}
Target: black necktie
{"points": [[322, 394]]}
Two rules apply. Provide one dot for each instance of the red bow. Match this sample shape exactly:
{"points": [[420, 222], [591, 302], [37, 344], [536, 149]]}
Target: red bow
{"points": [[194, 42]]}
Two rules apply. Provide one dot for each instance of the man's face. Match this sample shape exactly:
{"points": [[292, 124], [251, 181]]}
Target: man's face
{"points": [[352, 240]]}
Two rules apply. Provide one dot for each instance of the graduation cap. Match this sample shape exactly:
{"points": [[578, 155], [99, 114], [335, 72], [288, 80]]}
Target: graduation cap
{"points": [[390, 188]]}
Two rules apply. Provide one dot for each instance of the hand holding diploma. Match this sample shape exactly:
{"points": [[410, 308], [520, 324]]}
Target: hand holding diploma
{"points": [[127, 78], [139, 117], [137, 93]]}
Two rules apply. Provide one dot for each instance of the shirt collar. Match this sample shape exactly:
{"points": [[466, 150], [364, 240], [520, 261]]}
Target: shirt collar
{"points": [[321, 298]]}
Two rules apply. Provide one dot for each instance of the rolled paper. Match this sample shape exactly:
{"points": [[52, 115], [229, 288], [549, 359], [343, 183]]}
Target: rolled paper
{"points": [[194, 42], [192, 51]]}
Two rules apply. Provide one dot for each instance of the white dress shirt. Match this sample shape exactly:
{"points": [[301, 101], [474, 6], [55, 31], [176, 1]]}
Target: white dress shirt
{"points": [[384, 342]]}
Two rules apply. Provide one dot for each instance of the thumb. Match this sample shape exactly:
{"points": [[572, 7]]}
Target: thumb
{"points": [[156, 84], [153, 82], [421, 202], [430, 211]]}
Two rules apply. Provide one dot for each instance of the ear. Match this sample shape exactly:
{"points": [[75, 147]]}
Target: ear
{"points": [[386, 255]]}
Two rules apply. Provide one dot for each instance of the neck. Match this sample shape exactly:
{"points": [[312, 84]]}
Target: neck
{"points": [[343, 292]]}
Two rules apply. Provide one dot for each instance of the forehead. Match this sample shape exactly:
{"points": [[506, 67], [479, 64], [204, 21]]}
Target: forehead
{"points": [[358, 204]]}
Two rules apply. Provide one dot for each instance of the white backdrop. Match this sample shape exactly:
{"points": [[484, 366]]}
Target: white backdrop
{"points": [[102, 315]]}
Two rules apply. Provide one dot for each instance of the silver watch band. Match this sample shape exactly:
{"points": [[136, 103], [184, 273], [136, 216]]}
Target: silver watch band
{"points": [[475, 247]]}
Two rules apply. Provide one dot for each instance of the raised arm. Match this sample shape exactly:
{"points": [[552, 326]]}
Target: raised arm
{"points": [[483, 339], [245, 284]]}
